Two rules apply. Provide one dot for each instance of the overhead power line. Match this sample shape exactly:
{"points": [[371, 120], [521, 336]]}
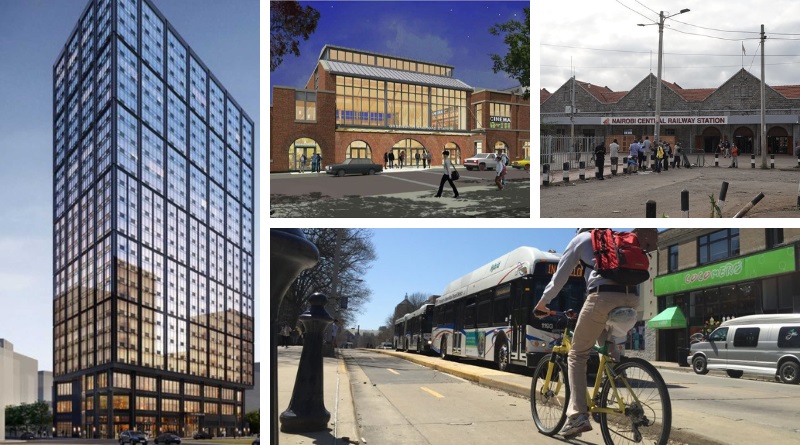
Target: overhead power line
{"points": [[666, 53]]}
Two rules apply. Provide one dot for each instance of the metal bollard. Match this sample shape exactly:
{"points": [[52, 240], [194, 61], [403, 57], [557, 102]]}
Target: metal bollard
{"points": [[650, 209], [771, 161], [723, 192], [546, 174], [749, 206], [582, 170], [716, 159], [566, 172], [306, 410], [625, 165], [753, 160], [614, 166], [685, 203]]}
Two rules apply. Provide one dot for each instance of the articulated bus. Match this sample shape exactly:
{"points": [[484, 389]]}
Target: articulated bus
{"points": [[487, 314], [418, 329], [399, 339]]}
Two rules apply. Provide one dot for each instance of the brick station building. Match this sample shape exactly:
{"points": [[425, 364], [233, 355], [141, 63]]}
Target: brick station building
{"points": [[361, 104], [699, 118]]}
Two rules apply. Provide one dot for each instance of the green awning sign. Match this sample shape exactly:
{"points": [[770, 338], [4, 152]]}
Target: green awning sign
{"points": [[669, 318], [774, 262]]}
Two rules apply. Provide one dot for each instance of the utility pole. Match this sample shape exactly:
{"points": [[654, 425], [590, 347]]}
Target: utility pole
{"points": [[661, 18], [763, 106], [572, 114]]}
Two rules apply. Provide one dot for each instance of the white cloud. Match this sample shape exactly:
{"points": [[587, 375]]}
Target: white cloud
{"points": [[599, 32], [405, 41]]}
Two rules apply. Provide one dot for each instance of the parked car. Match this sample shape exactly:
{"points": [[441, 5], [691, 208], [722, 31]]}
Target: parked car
{"points": [[168, 438], [387, 345], [522, 163], [354, 166], [481, 161], [27, 435], [202, 435], [132, 437], [758, 344]]}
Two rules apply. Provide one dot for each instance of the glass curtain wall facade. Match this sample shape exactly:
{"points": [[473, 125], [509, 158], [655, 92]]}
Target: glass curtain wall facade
{"points": [[153, 294]]}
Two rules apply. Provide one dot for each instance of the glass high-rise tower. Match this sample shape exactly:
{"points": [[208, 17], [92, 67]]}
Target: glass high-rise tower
{"points": [[153, 232]]}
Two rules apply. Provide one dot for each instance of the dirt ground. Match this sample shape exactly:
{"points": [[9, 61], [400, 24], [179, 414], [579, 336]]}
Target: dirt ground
{"points": [[625, 196]]}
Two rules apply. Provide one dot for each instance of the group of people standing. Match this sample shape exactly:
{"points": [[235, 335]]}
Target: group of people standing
{"points": [[316, 163], [641, 151], [389, 158], [729, 151]]}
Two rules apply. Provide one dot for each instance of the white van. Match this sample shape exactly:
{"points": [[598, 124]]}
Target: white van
{"points": [[758, 344]]}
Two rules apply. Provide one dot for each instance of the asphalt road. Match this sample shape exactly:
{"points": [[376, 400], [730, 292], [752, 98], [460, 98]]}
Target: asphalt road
{"points": [[626, 196], [407, 193]]}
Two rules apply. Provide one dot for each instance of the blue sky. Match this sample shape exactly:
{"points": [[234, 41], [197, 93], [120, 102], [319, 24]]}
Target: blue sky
{"points": [[427, 260], [452, 33], [225, 34]]}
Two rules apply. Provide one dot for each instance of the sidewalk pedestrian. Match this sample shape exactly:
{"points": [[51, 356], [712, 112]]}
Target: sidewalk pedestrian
{"points": [[448, 168], [667, 155], [430, 159], [313, 163], [416, 157], [303, 163], [659, 157], [734, 156], [677, 155], [500, 170], [644, 153], [614, 152], [424, 158], [319, 162], [402, 158], [391, 159], [634, 156], [385, 159], [286, 331], [600, 159]]}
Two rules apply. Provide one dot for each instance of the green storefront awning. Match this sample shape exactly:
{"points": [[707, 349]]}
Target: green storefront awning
{"points": [[669, 318]]}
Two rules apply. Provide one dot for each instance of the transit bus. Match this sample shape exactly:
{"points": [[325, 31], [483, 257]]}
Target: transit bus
{"points": [[399, 339], [487, 314], [419, 326]]}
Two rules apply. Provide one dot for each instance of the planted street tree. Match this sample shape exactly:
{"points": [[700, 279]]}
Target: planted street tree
{"points": [[517, 63]]}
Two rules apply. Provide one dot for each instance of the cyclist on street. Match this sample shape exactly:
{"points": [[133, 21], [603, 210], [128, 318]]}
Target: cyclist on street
{"points": [[603, 295]]}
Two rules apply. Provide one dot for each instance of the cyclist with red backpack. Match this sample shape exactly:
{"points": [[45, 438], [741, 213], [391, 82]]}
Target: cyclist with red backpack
{"points": [[614, 263]]}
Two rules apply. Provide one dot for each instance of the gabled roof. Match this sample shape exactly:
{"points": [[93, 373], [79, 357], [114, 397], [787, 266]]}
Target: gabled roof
{"points": [[692, 94], [374, 72], [543, 95], [602, 94], [788, 91]]}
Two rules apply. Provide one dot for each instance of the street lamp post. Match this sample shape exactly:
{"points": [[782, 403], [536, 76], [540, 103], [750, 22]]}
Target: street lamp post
{"points": [[661, 18]]}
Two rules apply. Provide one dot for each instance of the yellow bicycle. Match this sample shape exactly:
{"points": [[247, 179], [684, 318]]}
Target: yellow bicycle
{"points": [[629, 400]]}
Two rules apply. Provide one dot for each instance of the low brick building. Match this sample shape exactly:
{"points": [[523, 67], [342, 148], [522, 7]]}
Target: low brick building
{"points": [[699, 118], [361, 104]]}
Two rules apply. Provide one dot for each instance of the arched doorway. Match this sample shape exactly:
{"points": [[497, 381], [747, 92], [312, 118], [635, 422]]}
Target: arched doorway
{"points": [[359, 149], [778, 140], [302, 146], [501, 147], [455, 152], [408, 146], [710, 139], [743, 138]]}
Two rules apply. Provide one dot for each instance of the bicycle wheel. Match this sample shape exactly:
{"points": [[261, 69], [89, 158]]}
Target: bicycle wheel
{"points": [[648, 411], [549, 401]]}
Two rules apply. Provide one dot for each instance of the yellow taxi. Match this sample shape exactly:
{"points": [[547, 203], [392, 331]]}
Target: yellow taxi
{"points": [[522, 163]]}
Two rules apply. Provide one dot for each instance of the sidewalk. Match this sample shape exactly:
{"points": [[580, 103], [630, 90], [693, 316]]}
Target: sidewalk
{"points": [[342, 429]]}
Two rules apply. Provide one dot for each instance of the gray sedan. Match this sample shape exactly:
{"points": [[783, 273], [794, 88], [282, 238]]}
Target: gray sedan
{"points": [[354, 166]]}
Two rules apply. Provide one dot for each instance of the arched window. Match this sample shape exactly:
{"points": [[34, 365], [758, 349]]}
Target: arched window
{"points": [[455, 152], [302, 146], [408, 148], [359, 149], [777, 140]]}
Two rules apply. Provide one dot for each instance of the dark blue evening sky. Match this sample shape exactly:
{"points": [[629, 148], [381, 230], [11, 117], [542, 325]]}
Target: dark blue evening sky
{"points": [[224, 34], [452, 33]]}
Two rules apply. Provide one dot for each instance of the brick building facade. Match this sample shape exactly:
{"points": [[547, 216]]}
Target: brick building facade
{"points": [[364, 104], [699, 118]]}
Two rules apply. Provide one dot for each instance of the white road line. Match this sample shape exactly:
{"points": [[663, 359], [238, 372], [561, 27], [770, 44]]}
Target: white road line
{"points": [[392, 371]]}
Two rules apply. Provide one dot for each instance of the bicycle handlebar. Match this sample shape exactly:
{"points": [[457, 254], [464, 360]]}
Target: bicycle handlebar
{"points": [[569, 313]]}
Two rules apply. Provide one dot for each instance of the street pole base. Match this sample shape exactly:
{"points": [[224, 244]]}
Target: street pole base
{"points": [[292, 422]]}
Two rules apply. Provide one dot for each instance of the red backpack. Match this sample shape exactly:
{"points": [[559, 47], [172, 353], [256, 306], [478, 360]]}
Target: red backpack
{"points": [[619, 256]]}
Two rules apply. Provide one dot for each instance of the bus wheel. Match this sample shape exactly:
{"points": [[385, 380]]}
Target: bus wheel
{"points": [[502, 356], [443, 351]]}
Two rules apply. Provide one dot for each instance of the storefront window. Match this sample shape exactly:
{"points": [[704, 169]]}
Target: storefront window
{"points": [[672, 263], [499, 115]]}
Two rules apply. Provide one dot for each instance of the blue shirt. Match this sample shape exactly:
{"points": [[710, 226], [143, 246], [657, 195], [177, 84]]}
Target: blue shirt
{"points": [[579, 249]]}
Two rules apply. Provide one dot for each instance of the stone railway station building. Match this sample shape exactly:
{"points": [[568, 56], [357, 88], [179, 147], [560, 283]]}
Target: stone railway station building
{"points": [[362, 104], [699, 118]]}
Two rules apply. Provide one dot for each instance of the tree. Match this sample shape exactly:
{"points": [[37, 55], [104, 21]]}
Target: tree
{"points": [[517, 63], [289, 21], [28, 417], [417, 299], [345, 256], [252, 418]]}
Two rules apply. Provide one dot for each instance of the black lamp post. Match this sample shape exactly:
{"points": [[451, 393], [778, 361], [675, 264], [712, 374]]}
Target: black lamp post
{"points": [[290, 253]]}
